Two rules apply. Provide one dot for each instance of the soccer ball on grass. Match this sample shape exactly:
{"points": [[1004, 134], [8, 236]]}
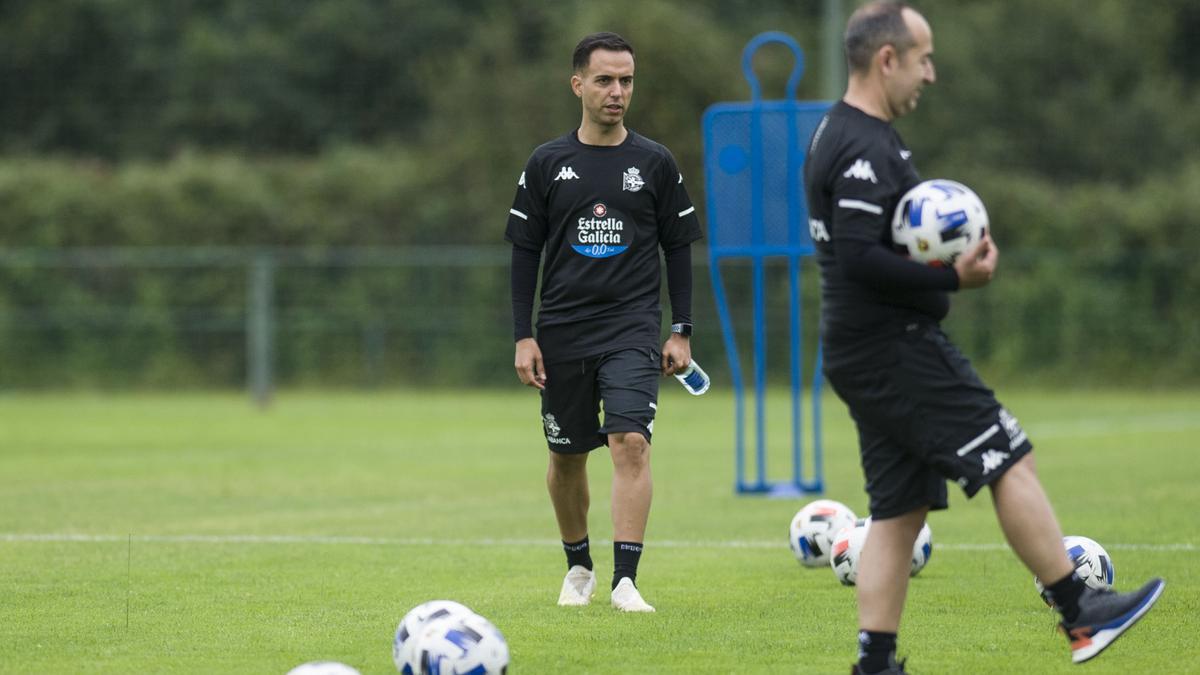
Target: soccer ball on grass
{"points": [[1092, 564], [410, 626], [460, 645], [848, 545], [813, 528], [922, 550], [847, 548]]}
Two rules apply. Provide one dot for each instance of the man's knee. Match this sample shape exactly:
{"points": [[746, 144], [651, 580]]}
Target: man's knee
{"points": [[629, 448]]}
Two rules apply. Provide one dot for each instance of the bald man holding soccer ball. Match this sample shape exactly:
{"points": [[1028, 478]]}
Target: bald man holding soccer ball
{"points": [[923, 415]]}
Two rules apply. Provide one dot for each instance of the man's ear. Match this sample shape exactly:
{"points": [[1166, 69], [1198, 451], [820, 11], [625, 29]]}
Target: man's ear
{"points": [[577, 84], [888, 58]]}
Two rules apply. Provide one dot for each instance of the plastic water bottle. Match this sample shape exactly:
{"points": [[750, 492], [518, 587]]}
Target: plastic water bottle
{"points": [[694, 379]]}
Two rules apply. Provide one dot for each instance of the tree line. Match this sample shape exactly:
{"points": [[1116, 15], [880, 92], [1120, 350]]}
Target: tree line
{"points": [[401, 122]]}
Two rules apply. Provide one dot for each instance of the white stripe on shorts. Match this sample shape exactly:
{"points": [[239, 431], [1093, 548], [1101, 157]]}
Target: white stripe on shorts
{"points": [[686, 211], [991, 431], [518, 214]]}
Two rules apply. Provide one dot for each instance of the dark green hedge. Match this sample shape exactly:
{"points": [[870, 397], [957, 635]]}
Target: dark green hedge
{"points": [[1097, 282]]}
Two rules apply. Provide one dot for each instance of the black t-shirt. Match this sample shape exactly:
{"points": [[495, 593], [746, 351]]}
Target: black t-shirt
{"points": [[856, 171], [601, 213]]}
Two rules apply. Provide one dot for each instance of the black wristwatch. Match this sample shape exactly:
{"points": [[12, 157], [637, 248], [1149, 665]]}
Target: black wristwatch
{"points": [[684, 329]]}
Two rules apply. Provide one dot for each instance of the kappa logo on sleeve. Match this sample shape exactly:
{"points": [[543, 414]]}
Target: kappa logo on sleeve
{"points": [[862, 170]]}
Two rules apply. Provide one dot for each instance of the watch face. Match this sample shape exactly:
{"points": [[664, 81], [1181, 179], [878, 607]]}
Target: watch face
{"points": [[684, 329]]}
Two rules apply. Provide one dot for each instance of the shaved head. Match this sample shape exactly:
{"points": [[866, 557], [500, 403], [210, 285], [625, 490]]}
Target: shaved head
{"points": [[872, 26]]}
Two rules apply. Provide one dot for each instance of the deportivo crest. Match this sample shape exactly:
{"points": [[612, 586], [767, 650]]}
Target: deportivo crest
{"points": [[553, 430], [632, 180]]}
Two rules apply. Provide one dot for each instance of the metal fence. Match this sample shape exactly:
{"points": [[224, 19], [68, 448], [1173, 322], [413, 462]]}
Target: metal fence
{"points": [[440, 316], [217, 317]]}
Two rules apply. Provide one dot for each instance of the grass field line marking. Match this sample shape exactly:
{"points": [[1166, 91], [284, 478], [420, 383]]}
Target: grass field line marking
{"points": [[1091, 426], [15, 537]]}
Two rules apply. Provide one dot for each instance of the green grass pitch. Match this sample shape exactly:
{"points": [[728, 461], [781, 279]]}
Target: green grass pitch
{"points": [[195, 534]]}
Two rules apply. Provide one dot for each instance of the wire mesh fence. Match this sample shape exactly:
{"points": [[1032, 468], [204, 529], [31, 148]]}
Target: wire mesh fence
{"points": [[441, 316]]}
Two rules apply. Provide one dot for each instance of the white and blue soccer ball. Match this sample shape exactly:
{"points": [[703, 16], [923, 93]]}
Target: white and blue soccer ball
{"points": [[938, 220], [848, 545], [1092, 564], [323, 668], [922, 550], [413, 622], [813, 527], [460, 645], [847, 549]]}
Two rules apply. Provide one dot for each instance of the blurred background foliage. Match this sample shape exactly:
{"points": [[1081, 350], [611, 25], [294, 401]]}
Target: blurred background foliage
{"points": [[398, 123]]}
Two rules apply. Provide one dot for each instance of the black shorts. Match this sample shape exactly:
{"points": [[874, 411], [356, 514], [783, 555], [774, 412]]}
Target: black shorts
{"points": [[924, 417], [625, 381]]}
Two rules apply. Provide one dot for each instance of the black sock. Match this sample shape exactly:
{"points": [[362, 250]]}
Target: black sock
{"points": [[876, 651], [578, 553], [1064, 594], [625, 560]]}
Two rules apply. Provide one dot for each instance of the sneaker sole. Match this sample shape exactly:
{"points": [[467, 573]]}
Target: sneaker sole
{"points": [[1106, 636]]}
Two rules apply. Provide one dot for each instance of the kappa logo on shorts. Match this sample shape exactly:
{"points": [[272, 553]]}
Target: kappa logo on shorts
{"points": [[992, 459], [553, 430]]}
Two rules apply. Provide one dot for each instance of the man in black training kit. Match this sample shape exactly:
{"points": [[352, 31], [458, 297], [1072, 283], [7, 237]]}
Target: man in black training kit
{"points": [[601, 200], [923, 416]]}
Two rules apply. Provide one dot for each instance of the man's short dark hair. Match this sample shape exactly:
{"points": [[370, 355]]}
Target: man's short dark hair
{"points": [[590, 43], [872, 26]]}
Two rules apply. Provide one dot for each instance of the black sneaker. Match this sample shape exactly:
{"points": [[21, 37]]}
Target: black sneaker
{"points": [[1104, 615], [893, 669]]}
